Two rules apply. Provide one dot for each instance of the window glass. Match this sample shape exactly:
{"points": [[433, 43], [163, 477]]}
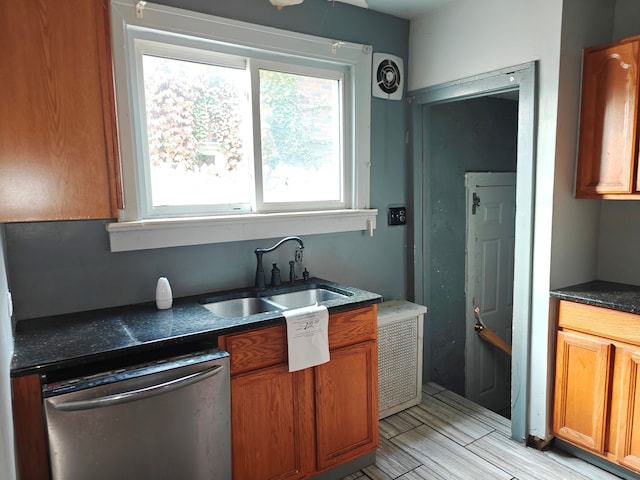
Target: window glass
{"points": [[300, 118], [196, 123]]}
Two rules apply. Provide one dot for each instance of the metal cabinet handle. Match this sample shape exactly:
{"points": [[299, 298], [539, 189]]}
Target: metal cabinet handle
{"points": [[139, 394]]}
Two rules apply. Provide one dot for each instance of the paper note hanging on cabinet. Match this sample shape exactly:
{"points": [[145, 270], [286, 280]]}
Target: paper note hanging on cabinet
{"points": [[307, 336]]}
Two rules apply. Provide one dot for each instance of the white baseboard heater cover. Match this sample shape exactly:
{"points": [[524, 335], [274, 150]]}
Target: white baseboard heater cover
{"points": [[400, 332]]}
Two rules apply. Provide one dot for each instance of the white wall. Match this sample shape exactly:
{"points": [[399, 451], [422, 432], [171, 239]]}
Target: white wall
{"points": [[619, 255], [468, 38], [7, 461]]}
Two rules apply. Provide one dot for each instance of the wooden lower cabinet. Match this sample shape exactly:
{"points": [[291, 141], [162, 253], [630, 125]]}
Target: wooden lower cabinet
{"points": [[628, 438], [346, 404], [582, 389], [272, 435], [30, 431], [596, 380], [294, 425]]}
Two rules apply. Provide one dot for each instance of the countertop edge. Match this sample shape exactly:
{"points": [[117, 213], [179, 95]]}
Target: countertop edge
{"points": [[600, 293]]}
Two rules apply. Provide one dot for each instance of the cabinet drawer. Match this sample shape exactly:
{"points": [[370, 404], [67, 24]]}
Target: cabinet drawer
{"points": [[353, 326], [255, 349], [603, 322], [265, 347]]}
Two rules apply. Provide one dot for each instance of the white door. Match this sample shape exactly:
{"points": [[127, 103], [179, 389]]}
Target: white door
{"points": [[491, 211]]}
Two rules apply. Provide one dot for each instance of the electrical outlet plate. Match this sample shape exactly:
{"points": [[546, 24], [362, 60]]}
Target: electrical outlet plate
{"points": [[298, 255], [397, 216]]}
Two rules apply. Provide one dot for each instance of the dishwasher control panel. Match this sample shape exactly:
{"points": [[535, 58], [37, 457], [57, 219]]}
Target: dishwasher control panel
{"points": [[119, 374]]}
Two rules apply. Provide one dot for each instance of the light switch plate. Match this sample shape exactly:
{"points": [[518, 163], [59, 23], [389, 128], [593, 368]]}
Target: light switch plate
{"points": [[397, 216]]}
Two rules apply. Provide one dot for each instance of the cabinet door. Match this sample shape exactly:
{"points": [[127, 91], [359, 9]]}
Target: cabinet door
{"points": [[609, 107], [272, 424], [628, 449], [58, 145], [582, 384], [347, 404]]}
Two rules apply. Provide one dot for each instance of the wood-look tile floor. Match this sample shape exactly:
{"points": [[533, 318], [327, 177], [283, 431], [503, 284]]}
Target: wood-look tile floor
{"points": [[448, 437]]}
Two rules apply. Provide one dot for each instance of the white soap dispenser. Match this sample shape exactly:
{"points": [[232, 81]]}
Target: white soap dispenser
{"points": [[164, 298]]}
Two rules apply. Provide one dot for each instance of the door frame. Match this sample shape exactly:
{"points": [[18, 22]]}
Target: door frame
{"points": [[521, 78]]}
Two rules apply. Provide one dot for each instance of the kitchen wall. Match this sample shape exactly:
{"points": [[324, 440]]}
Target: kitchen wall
{"points": [[476, 135], [500, 33], [488, 36], [60, 267], [575, 222], [7, 461], [618, 254]]}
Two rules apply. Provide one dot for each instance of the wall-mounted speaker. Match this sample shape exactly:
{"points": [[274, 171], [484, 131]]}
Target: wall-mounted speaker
{"points": [[387, 78]]}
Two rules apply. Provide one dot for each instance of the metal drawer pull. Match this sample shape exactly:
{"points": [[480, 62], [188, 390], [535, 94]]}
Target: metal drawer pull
{"points": [[139, 394]]}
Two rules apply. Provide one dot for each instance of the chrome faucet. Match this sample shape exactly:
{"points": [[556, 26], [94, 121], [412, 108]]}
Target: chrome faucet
{"points": [[260, 251]]}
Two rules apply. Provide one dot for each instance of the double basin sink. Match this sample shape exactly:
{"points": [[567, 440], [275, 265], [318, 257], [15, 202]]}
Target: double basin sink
{"points": [[246, 304]]}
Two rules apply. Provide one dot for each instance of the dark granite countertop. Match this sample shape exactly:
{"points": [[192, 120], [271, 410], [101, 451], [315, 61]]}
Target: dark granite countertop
{"points": [[617, 296], [67, 341]]}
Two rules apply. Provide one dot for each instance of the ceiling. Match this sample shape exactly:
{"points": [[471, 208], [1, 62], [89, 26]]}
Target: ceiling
{"points": [[400, 8]]}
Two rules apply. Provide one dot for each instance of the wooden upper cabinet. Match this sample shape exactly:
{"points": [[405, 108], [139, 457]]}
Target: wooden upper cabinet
{"points": [[58, 143], [607, 153]]}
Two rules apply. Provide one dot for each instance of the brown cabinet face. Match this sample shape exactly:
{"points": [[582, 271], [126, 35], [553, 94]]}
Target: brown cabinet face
{"points": [[292, 425], [30, 431], [346, 403], [628, 448], [607, 156], [596, 379], [582, 389], [58, 144], [272, 424]]}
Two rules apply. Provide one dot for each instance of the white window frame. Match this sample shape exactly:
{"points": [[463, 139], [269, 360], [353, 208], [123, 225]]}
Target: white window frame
{"points": [[133, 231]]}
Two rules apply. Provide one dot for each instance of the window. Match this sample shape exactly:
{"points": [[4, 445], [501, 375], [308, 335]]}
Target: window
{"points": [[222, 121]]}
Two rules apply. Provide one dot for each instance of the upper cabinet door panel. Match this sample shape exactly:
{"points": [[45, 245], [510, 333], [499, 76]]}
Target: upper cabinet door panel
{"points": [[58, 146], [607, 145]]}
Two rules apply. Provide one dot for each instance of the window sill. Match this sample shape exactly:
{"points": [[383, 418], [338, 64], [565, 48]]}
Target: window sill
{"points": [[176, 232]]}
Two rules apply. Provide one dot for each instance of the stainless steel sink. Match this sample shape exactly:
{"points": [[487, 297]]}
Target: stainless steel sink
{"points": [[303, 298], [241, 307], [247, 306]]}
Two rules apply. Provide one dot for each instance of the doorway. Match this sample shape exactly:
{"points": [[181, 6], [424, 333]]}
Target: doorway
{"points": [[518, 81]]}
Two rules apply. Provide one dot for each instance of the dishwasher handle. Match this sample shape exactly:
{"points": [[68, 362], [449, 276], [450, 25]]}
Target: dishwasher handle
{"points": [[139, 394]]}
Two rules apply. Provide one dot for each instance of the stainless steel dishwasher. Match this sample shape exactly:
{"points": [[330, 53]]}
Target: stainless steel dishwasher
{"points": [[159, 420]]}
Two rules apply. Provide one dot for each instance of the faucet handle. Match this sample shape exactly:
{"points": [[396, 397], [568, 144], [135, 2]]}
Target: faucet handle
{"points": [[275, 276], [292, 271]]}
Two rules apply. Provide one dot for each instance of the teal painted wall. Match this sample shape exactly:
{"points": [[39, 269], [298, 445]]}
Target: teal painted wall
{"points": [[7, 461], [473, 135], [61, 267]]}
